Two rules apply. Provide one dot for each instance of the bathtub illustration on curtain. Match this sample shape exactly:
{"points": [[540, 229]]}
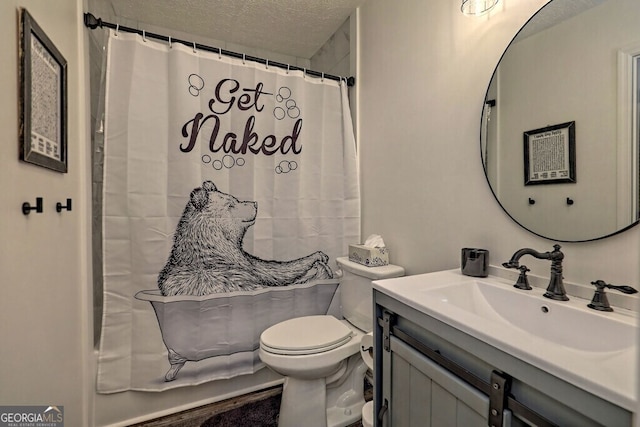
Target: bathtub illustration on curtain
{"points": [[210, 285]]}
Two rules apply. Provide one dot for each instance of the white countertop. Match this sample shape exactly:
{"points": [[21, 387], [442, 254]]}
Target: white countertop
{"points": [[609, 373]]}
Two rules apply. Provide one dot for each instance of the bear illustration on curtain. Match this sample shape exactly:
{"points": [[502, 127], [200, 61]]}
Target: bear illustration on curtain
{"points": [[207, 255]]}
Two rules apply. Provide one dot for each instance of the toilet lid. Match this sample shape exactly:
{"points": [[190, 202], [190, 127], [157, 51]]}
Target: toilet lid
{"points": [[305, 335]]}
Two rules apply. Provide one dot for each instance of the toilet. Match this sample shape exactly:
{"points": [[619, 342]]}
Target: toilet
{"points": [[321, 356]]}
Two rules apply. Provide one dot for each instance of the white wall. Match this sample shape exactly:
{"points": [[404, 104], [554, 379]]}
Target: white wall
{"points": [[424, 69], [45, 295], [334, 56]]}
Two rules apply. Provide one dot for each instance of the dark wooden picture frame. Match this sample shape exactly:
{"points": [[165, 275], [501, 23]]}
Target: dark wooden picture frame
{"points": [[43, 98], [550, 154]]}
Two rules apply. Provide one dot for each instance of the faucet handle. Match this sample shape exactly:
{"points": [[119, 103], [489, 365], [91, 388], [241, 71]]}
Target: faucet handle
{"points": [[601, 284], [523, 281], [624, 289], [600, 301]]}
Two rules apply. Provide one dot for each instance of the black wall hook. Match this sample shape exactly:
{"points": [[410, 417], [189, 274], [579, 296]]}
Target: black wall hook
{"points": [[569, 201], [60, 206], [27, 208], [531, 201]]}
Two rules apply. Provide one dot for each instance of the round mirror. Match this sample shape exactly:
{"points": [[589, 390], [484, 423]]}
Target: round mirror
{"points": [[559, 135]]}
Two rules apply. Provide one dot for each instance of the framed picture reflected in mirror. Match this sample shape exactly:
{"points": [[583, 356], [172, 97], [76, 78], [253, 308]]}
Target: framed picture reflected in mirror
{"points": [[550, 154]]}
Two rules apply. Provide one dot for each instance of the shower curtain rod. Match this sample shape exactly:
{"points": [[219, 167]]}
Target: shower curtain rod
{"points": [[90, 21]]}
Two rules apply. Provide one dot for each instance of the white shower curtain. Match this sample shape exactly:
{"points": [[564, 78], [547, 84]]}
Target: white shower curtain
{"points": [[229, 190]]}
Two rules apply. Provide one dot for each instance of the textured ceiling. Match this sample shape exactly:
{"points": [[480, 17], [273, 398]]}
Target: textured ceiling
{"points": [[292, 27]]}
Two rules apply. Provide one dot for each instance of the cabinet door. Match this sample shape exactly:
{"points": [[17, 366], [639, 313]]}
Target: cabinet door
{"points": [[422, 394]]}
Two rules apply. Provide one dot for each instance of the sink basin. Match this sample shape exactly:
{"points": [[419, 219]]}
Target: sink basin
{"points": [[562, 323], [596, 351]]}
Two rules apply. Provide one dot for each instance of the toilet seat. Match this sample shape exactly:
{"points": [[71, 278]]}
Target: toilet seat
{"points": [[305, 335]]}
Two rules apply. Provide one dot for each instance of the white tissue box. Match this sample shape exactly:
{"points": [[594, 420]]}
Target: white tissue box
{"points": [[366, 255]]}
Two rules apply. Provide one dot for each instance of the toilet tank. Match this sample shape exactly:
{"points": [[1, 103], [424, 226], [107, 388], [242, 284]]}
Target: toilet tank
{"points": [[356, 292]]}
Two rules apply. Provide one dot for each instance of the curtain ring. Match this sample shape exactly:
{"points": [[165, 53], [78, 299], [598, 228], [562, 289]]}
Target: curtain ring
{"points": [[304, 73], [194, 48], [244, 58], [169, 42], [288, 68], [117, 29], [322, 79], [144, 36], [267, 63], [219, 53]]}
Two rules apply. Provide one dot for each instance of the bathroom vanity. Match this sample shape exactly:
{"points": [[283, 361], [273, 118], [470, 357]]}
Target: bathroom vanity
{"points": [[453, 350]]}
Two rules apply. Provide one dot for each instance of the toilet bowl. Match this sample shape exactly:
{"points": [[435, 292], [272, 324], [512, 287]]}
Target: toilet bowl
{"points": [[320, 356]]}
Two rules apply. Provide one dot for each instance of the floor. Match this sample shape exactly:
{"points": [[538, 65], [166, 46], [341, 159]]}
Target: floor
{"points": [[258, 409], [263, 413]]}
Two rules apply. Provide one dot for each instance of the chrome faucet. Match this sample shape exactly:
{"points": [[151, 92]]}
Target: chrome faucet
{"points": [[555, 290]]}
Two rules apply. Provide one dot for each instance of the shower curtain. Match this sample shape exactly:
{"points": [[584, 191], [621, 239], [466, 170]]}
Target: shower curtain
{"points": [[230, 188]]}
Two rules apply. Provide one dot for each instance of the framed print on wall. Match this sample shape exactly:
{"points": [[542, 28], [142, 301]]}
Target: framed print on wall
{"points": [[43, 98], [550, 154]]}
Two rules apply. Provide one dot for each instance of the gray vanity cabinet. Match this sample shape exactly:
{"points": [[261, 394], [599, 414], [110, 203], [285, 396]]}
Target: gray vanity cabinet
{"points": [[424, 394], [417, 361]]}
